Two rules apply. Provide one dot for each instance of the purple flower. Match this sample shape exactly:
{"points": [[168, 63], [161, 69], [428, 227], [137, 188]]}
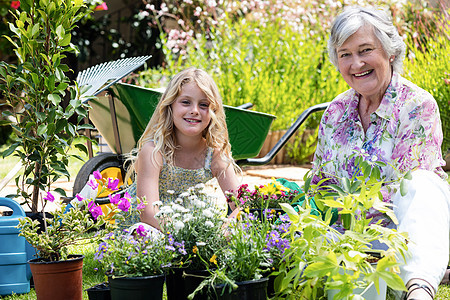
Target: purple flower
{"points": [[124, 205], [95, 210], [93, 184], [112, 184], [97, 175], [141, 206], [49, 197], [79, 198], [274, 240], [180, 247], [102, 248], [141, 230], [170, 248], [114, 199]]}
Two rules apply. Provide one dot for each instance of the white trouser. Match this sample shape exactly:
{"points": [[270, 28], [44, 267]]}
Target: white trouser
{"points": [[424, 213]]}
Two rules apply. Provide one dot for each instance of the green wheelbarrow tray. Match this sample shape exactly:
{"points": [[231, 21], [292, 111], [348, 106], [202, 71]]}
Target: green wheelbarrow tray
{"points": [[132, 107]]}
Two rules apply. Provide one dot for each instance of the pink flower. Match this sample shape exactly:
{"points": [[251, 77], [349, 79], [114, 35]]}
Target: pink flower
{"points": [[124, 205], [141, 206], [97, 175], [112, 184], [95, 210], [15, 4], [93, 184], [79, 198], [141, 230], [114, 199], [102, 6], [49, 197]]}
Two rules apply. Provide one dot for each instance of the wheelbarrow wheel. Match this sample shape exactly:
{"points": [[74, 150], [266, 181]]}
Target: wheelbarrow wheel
{"points": [[108, 164]]}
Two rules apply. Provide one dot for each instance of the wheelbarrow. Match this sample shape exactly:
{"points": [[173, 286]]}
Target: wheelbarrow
{"points": [[122, 114]]}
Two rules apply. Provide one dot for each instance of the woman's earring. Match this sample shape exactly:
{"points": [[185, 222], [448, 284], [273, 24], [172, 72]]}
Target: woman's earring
{"points": [[391, 59]]}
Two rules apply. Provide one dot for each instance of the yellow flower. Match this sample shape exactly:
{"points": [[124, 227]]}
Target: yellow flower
{"points": [[247, 210], [273, 187], [195, 249], [213, 259]]}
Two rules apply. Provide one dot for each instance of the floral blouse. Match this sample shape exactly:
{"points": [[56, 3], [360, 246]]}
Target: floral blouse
{"points": [[405, 132]]}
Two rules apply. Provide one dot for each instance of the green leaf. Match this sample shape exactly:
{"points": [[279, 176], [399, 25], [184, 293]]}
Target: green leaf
{"points": [[10, 150], [35, 30], [66, 40], [5, 122], [42, 129], [60, 32], [54, 98], [403, 187], [61, 192]]}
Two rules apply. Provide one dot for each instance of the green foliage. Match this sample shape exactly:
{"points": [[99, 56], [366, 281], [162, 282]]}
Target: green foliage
{"points": [[34, 90], [321, 258], [430, 70], [280, 76]]}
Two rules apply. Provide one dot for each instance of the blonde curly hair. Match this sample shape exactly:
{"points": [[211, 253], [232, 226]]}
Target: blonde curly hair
{"points": [[160, 128]]}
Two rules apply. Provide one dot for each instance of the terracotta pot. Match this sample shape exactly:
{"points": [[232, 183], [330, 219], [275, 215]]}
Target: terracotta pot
{"points": [[58, 279]]}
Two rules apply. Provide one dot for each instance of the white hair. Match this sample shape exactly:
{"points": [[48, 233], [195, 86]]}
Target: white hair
{"points": [[353, 18]]}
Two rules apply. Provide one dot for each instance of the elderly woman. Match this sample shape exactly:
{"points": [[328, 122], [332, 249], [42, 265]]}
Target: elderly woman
{"points": [[385, 117]]}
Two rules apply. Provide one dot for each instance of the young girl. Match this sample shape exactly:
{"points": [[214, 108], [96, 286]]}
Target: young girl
{"points": [[185, 143]]}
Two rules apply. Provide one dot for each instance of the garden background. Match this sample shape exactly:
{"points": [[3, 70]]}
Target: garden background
{"points": [[270, 53]]}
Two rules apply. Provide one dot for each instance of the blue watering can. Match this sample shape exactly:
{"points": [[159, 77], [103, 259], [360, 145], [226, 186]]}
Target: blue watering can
{"points": [[14, 252]]}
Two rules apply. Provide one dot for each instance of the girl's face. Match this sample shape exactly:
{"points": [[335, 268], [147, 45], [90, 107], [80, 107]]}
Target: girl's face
{"points": [[364, 64], [191, 111]]}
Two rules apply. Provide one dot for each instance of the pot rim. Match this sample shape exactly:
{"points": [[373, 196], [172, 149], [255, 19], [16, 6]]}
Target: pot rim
{"points": [[71, 258], [135, 277]]}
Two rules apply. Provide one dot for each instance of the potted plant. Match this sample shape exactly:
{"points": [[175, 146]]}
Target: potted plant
{"points": [[338, 260], [194, 228], [57, 273], [263, 197], [36, 92], [255, 246], [134, 263]]}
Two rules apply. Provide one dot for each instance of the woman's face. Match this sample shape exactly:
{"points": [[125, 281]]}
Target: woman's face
{"points": [[364, 64]]}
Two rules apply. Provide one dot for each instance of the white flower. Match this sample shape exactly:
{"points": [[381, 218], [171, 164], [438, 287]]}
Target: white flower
{"points": [[209, 224], [207, 213], [157, 203], [200, 186], [177, 207], [179, 225], [199, 204], [200, 244], [170, 192], [166, 210], [179, 201], [184, 194], [187, 218]]}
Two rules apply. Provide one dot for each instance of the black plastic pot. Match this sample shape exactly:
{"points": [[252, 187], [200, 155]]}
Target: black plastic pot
{"points": [[99, 292], [247, 290], [179, 286], [137, 288]]}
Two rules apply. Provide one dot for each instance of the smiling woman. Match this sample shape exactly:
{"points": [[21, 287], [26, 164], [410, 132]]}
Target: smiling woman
{"points": [[386, 119]]}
